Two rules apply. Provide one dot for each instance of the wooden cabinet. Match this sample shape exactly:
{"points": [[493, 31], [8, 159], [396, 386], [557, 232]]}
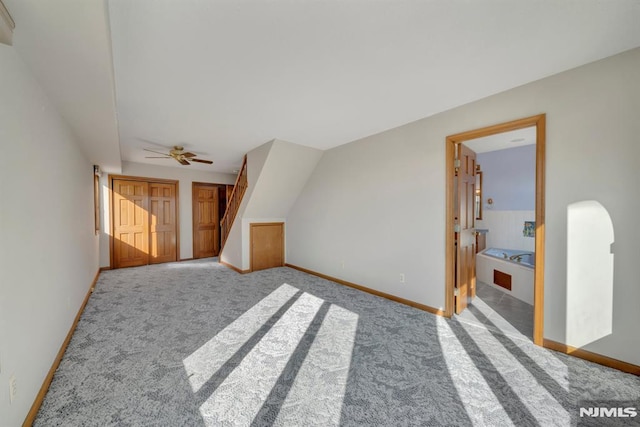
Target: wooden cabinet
{"points": [[267, 245]]}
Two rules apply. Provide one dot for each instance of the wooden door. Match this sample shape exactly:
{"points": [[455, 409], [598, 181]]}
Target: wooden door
{"points": [[465, 226], [206, 220], [163, 223], [267, 245], [130, 223]]}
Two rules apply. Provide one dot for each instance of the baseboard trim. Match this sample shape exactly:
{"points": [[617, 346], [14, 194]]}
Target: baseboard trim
{"points": [[31, 416], [234, 268], [592, 357], [404, 301], [187, 259], [103, 269]]}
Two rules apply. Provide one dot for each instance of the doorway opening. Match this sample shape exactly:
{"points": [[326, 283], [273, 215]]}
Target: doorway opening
{"points": [[465, 204], [209, 203]]}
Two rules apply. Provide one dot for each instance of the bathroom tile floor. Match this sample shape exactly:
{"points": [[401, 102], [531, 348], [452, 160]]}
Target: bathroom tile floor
{"points": [[498, 311]]}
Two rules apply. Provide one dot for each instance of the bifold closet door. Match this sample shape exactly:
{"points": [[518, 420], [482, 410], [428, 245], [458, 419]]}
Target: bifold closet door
{"points": [[162, 222], [130, 223], [144, 223]]}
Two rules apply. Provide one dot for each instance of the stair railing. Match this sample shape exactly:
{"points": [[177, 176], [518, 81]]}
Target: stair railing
{"points": [[233, 203]]}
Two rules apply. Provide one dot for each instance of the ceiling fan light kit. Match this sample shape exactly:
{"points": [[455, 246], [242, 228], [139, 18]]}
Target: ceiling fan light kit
{"points": [[177, 153]]}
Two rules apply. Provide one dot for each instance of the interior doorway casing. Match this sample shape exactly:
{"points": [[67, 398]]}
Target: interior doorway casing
{"points": [[207, 210], [539, 121]]}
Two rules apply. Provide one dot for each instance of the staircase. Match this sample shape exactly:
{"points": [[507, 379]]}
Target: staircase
{"points": [[273, 176], [233, 203]]}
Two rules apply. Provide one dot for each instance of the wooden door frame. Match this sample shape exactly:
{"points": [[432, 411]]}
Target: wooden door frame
{"points": [[261, 224], [193, 212], [539, 121], [110, 180]]}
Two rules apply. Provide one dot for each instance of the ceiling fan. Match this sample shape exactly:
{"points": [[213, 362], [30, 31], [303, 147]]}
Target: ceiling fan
{"points": [[178, 153]]}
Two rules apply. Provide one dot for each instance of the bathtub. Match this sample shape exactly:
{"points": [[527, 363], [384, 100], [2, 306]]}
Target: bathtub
{"points": [[517, 266]]}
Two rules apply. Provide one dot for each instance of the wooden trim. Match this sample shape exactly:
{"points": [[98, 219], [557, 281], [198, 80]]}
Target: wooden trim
{"points": [[195, 184], [225, 225], [142, 179], [33, 412], [177, 219], [449, 261], [193, 213], [538, 287], [592, 357], [186, 259], [451, 141], [96, 202], [494, 129], [110, 190], [104, 269], [234, 268], [240, 171], [404, 301]]}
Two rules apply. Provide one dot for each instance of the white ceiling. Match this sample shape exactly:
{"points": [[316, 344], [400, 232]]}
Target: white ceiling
{"points": [[503, 141], [222, 77], [66, 44]]}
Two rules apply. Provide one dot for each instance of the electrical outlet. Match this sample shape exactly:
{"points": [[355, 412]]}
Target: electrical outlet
{"points": [[13, 388], [401, 277]]}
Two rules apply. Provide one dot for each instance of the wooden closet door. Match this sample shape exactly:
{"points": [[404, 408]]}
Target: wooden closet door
{"points": [[163, 224], [130, 223], [206, 221]]}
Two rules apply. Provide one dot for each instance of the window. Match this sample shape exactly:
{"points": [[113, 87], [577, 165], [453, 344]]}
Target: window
{"points": [[96, 197]]}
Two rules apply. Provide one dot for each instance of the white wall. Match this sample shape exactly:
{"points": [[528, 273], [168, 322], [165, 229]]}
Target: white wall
{"points": [[232, 253], [277, 172], [509, 178], [49, 252], [284, 174], [185, 177], [378, 204], [505, 229]]}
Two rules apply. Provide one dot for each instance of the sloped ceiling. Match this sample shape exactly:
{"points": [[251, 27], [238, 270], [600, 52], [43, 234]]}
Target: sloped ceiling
{"points": [[67, 45], [222, 77]]}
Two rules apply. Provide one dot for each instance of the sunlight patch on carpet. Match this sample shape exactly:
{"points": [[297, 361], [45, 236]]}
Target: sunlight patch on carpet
{"points": [[319, 388], [537, 395], [472, 388], [203, 363], [239, 398]]}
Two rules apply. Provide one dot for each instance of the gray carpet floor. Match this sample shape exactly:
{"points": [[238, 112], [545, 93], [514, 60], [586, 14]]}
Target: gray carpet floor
{"points": [[196, 344]]}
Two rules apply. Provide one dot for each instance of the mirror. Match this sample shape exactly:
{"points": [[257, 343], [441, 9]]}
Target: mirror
{"points": [[478, 195]]}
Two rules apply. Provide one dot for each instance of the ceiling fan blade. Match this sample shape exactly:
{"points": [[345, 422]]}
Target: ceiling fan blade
{"points": [[158, 157], [189, 154], [183, 162], [157, 152], [202, 161]]}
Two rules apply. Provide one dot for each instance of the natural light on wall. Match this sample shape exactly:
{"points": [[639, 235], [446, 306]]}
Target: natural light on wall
{"points": [[316, 336], [590, 235]]}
